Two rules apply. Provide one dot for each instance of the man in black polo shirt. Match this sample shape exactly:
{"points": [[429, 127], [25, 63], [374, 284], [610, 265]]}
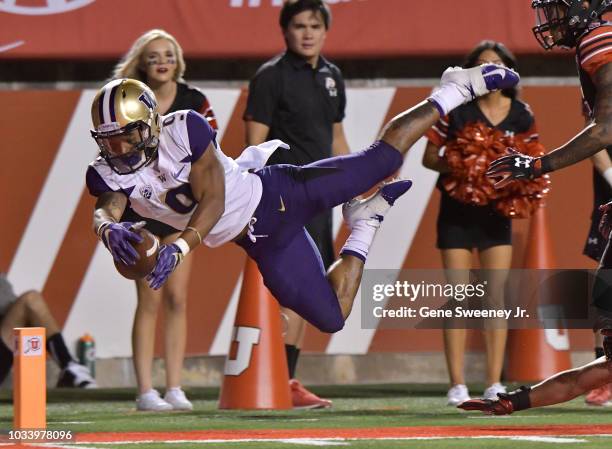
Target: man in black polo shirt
{"points": [[299, 98]]}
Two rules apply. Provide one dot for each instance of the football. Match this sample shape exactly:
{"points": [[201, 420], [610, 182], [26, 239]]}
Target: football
{"points": [[147, 250]]}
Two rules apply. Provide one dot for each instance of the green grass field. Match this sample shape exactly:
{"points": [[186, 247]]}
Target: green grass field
{"points": [[381, 416]]}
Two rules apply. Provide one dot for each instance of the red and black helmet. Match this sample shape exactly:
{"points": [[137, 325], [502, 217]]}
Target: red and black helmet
{"points": [[560, 23]]}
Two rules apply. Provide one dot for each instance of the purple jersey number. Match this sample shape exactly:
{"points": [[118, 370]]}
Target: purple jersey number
{"points": [[181, 200]]}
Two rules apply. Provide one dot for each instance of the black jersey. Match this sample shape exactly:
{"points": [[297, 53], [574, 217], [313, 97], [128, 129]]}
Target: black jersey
{"points": [[518, 122], [188, 97], [300, 104]]}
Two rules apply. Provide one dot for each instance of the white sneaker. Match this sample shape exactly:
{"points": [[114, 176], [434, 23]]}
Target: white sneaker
{"points": [[374, 208], [177, 399], [491, 392], [457, 394], [151, 401], [76, 375]]}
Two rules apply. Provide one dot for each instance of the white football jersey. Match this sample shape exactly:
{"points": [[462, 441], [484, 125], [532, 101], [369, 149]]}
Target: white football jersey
{"points": [[161, 189]]}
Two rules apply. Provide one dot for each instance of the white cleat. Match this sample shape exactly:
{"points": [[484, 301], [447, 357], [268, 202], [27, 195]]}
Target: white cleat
{"points": [[374, 208], [151, 401], [457, 395], [177, 399], [491, 392]]}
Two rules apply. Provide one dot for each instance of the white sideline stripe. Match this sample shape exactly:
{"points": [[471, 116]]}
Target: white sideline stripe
{"points": [[69, 422], [314, 442], [62, 189], [508, 416], [548, 439], [543, 439], [223, 102], [223, 337], [391, 246]]}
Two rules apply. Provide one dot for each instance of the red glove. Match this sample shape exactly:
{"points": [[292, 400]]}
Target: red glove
{"points": [[513, 166], [605, 224], [499, 406]]}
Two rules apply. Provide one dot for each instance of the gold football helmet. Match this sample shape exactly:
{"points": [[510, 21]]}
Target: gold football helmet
{"points": [[126, 124]]}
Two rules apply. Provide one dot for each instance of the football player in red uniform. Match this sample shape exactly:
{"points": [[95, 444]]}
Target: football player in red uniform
{"points": [[570, 24]]}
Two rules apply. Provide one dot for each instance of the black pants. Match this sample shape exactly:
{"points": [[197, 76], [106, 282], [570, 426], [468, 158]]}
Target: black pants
{"points": [[465, 226]]}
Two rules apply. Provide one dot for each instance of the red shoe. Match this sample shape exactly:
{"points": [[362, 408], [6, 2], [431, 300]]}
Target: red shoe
{"points": [[304, 399], [601, 396]]}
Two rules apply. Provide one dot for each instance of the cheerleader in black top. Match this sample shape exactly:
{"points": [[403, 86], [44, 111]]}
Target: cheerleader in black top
{"points": [[462, 227], [156, 58]]}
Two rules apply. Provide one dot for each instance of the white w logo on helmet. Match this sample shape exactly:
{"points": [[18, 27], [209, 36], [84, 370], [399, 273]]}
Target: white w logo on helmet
{"points": [[518, 161]]}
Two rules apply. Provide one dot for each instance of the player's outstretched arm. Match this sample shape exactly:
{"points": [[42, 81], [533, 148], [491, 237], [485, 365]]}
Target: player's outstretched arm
{"points": [[561, 387], [457, 86], [570, 384], [207, 180], [406, 128], [109, 207], [116, 236], [595, 136]]}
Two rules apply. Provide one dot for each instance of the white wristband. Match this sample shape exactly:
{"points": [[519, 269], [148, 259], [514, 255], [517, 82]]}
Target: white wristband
{"points": [[183, 246], [100, 229], [607, 174], [447, 97]]}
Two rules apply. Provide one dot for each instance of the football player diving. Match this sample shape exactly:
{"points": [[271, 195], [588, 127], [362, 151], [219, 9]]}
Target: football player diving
{"points": [[570, 24], [171, 169]]}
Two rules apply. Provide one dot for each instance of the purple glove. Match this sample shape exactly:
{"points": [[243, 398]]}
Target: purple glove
{"points": [[117, 237], [498, 77], [168, 258]]}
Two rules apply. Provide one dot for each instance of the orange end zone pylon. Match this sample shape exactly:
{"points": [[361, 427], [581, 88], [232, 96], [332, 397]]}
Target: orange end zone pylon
{"points": [[535, 354], [29, 379], [256, 375]]}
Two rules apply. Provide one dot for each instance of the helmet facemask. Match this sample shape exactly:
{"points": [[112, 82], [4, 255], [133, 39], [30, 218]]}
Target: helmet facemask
{"points": [[561, 23], [552, 24], [127, 149]]}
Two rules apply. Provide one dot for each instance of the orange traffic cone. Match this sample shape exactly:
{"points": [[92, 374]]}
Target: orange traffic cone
{"points": [[256, 375], [535, 354]]}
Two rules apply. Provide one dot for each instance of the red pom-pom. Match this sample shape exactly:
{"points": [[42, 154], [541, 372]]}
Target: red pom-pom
{"points": [[469, 156]]}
